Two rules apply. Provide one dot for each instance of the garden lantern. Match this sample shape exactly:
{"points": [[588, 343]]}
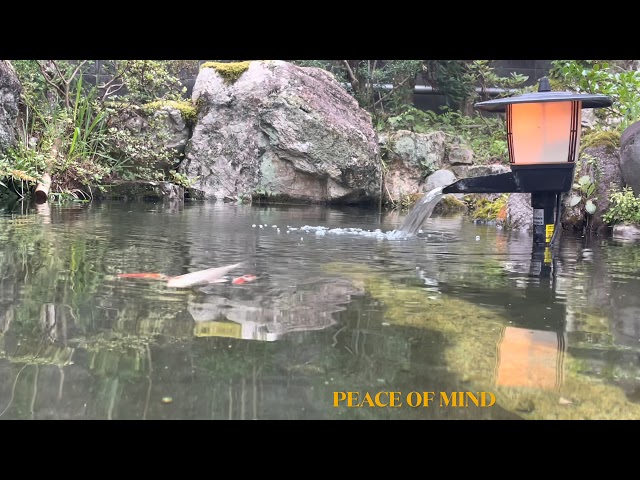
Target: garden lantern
{"points": [[543, 138], [543, 134]]}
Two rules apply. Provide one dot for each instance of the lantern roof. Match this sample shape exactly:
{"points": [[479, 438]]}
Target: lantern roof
{"points": [[544, 94]]}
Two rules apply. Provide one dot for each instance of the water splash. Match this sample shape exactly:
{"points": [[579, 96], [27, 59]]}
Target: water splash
{"points": [[409, 227], [377, 233], [420, 212]]}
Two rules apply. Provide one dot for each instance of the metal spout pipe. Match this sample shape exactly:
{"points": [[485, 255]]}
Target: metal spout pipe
{"points": [[521, 179], [499, 183]]}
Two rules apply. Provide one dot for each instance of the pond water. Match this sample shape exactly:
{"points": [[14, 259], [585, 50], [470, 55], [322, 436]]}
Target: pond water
{"points": [[460, 321]]}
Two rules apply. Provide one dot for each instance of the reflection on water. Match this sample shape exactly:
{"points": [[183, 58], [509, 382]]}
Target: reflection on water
{"points": [[338, 306], [530, 358]]}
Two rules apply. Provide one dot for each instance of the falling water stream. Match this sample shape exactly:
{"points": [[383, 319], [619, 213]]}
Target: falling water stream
{"points": [[420, 212], [409, 227]]}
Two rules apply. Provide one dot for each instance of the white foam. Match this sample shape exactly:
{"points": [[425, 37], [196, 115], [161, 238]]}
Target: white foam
{"points": [[377, 233]]}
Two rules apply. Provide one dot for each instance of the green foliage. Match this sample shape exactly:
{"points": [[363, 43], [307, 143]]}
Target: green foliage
{"points": [[624, 207], [138, 154], [181, 179], [382, 87], [66, 197], [23, 165], [143, 81], [34, 86], [88, 122], [66, 130], [69, 143], [484, 135], [605, 78], [463, 82], [585, 187], [411, 119], [15, 179]]}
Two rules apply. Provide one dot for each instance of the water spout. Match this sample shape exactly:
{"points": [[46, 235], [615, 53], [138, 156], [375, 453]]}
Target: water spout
{"points": [[498, 183], [420, 212], [522, 178], [539, 180]]}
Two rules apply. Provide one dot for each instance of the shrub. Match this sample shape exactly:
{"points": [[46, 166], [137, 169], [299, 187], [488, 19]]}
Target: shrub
{"points": [[624, 207]]}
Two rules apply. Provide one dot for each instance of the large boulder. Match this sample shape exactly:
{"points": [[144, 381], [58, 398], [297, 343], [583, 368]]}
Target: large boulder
{"points": [[10, 90], [630, 156], [280, 132]]}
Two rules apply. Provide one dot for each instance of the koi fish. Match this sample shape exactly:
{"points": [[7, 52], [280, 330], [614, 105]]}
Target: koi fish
{"points": [[243, 279], [152, 276], [201, 277]]}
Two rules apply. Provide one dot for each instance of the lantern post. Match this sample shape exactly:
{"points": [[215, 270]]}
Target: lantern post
{"points": [[543, 138]]}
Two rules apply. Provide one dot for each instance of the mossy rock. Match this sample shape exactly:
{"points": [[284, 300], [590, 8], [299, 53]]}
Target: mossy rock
{"points": [[450, 204], [230, 72], [409, 200], [599, 139], [489, 210], [187, 109]]}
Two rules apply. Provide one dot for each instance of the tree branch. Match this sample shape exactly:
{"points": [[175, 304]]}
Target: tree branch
{"points": [[352, 76], [45, 75], [75, 72], [388, 94]]}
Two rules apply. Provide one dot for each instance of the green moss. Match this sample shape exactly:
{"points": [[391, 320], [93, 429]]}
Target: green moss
{"points": [[556, 85], [601, 138], [187, 109], [409, 200], [450, 204], [230, 72], [485, 209]]}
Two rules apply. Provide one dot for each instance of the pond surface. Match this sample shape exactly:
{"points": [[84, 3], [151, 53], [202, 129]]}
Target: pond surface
{"points": [[461, 321]]}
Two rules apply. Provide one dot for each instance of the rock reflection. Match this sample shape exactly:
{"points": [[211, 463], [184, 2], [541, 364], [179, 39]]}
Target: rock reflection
{"points": [[268, 316]]}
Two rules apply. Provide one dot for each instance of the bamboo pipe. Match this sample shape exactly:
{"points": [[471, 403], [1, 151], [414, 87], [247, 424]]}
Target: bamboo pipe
{"points": [[42, 189]]}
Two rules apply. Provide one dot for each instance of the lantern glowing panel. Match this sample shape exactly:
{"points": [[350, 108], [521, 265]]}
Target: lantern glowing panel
{"points": [[543, 133]]}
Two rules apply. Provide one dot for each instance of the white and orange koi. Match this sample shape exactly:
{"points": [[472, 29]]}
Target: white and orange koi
{"points": [[201, 277]]}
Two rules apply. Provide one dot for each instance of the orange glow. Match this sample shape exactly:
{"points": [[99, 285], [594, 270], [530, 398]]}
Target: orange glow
{"points": [[530, 358], [541, 132]]}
